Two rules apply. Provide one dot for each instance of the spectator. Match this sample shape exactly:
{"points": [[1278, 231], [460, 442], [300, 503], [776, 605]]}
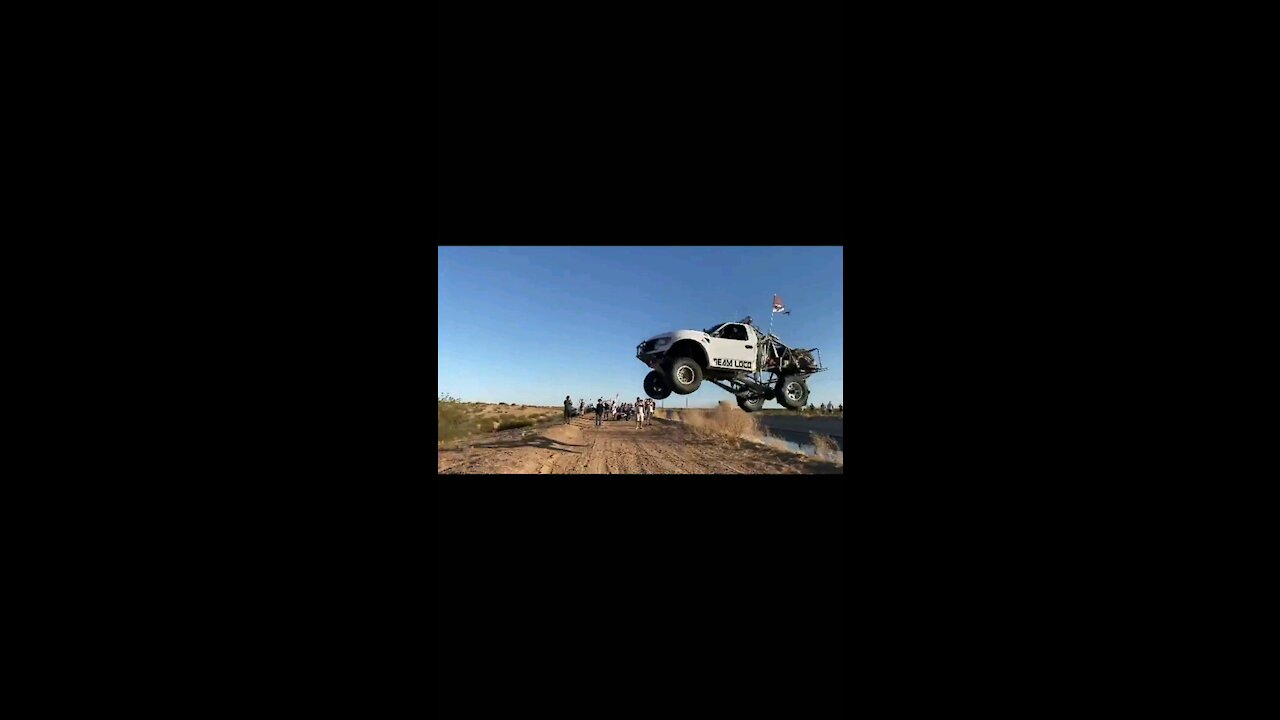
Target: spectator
{"points": [[639, 414], [841, 408], [651, 405], [581, 406], [568, 405], [599, 410]]}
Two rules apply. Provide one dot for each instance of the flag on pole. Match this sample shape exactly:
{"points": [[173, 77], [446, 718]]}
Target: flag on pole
{"points": [[778, 307]]}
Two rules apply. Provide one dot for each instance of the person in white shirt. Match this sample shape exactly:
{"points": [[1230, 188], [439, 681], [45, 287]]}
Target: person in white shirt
{"points": [[640, 408]]}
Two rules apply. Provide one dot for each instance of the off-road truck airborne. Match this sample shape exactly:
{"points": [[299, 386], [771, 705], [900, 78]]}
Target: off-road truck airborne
{"points": [[735, 356]]}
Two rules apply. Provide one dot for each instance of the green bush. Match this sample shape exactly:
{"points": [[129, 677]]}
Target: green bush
{"points": [[514, 423]]}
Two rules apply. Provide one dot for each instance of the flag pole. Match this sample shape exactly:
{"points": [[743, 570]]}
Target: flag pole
{"points": [[771, 314]]}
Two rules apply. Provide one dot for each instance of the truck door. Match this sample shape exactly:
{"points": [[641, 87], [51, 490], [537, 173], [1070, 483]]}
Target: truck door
{"points": [[733, 347]]}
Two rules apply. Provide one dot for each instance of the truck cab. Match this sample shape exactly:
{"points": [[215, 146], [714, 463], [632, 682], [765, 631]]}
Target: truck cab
{"points": [[733, 348]]}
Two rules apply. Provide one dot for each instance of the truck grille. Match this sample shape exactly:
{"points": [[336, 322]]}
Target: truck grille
{"points": [[648, 345]]}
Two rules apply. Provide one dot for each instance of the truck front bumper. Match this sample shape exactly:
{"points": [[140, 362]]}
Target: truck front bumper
{"points": [[651, 358]]}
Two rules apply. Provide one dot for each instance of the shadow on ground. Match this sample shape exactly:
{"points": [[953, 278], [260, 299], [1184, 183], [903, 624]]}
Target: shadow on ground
{"points": [[535, 441]]}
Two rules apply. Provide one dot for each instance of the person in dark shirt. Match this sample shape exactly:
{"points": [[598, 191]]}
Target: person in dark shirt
{"points": [[599, 410], [568, 405]]}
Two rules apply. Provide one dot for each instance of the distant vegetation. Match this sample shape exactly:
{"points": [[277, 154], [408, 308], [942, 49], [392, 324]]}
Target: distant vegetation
{"points": [[456, 419], [804, 413]]}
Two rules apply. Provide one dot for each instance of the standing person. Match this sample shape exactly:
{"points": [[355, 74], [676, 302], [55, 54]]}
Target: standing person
{"points": [[599, 410], [652, 406], [568, 405], [639, 414], [581, 405]]}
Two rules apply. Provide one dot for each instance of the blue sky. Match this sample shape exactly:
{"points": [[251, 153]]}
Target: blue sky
{"points": [[529, 325]]}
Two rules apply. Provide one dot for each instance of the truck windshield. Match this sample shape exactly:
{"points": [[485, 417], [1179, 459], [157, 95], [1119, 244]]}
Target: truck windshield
{"points": [[714, 328]]}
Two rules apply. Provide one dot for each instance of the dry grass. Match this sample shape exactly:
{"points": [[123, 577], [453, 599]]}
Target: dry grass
{"points": [[456, 420], [725, 422], [826, 449]]}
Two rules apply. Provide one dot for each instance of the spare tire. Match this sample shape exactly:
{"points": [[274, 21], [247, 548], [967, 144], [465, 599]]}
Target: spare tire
{"points": [[655, 386], [792, 392]]}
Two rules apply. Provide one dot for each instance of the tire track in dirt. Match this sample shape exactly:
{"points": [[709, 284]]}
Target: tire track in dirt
{"points": [[619, 447]]}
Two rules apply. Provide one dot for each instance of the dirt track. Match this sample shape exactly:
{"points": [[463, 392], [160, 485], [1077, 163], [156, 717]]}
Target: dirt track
{"points": [[619, 448]]}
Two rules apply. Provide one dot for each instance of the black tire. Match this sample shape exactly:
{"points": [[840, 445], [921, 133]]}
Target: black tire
{"points": [[683, 375], [796, 387], [751, 405], [655, 386]]}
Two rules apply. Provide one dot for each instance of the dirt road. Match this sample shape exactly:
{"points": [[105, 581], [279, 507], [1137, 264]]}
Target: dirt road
{"points": [[617, 447]]}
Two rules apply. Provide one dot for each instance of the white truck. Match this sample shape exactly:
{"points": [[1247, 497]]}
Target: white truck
{"points": [[737, 356]]}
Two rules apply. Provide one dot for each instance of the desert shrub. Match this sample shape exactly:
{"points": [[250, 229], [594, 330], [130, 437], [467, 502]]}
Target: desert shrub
{"points": [[451, 418], [514, 423], [502, 403]]}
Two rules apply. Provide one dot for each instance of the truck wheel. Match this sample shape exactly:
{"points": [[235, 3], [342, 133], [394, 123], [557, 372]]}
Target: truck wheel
{"points": [[792, 392], [751, 405], [684, 375], [655, 386]]}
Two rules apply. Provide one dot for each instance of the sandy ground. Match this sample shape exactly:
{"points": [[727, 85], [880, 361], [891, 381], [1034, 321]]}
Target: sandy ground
{"points": [[665, 448]]}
